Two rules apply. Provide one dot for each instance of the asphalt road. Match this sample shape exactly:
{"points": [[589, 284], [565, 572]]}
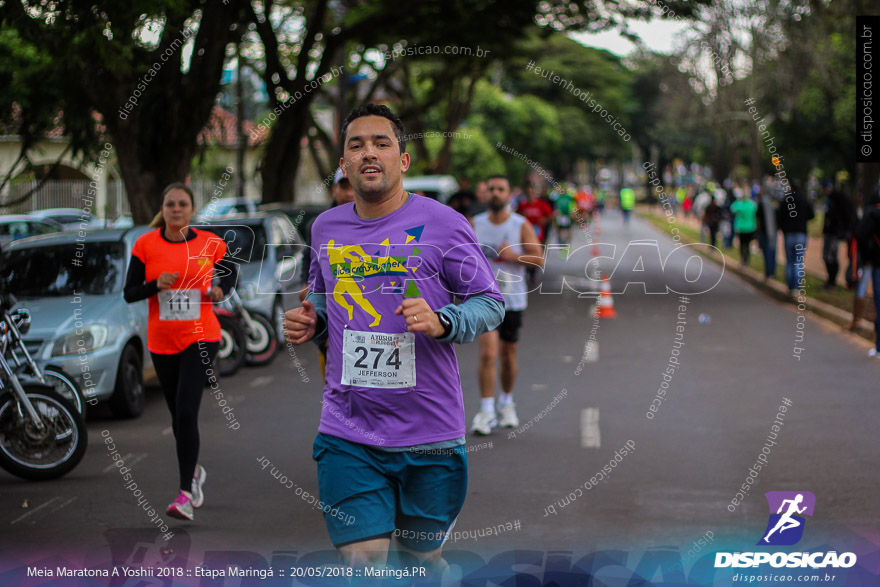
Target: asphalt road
{"points": [[735, 367]]}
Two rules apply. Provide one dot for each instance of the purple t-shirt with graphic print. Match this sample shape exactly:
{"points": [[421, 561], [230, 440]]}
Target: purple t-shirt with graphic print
{"points": [[365, 268]]}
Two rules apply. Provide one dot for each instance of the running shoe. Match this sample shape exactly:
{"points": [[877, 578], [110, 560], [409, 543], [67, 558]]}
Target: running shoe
{"points": [[198, 480], [874, 353], [483, 423], [182, 507], [509, 418]]}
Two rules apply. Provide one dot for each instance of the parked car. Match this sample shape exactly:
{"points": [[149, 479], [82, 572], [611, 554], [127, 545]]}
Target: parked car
{"points": [[269, 252], [300, 216], [69, 218], [72, 286], [223, 207], [18, 226], [124, 221], [437, 187]]}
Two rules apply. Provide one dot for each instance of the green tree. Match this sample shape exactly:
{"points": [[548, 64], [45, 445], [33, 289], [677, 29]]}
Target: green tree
{"points": [[107, 58]]}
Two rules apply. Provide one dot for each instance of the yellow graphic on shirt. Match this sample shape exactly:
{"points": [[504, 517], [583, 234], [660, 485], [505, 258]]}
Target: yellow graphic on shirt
{"points": [[350, 265], [348, 256]]}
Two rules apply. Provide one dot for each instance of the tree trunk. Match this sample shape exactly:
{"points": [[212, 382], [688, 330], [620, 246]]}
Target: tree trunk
{"points": [[866, 180], [146, 171], [282, 155], [156, 140]]}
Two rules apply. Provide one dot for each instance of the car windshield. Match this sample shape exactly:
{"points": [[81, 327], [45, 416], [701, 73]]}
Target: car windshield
{"points": [[60, 271], [245, 243], [24, 228]]}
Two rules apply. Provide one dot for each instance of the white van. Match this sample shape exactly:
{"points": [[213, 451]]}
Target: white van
{"points": [[437, 187]]}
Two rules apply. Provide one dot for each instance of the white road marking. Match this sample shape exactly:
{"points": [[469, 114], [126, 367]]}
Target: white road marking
{"points": [[590, 437], [591, 351], [65, 504], [138, 458], [130, 459], [112, 465], [260, 381], [33, 511], [538, 386]]}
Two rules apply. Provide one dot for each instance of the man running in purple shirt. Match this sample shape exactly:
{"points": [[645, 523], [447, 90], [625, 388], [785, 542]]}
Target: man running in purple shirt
{"points": [[384, 274]]}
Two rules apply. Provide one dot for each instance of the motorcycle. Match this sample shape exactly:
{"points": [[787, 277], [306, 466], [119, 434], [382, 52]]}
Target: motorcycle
{"points": [[259, 334], [17, 324], [231, 352], [42, 436]]}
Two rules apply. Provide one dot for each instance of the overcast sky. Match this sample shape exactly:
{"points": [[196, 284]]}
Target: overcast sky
{"points": [[659, 35]]}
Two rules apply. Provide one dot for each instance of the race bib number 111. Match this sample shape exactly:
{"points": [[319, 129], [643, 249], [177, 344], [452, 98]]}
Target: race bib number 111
{"points": [[180, 304], [375, 359]]}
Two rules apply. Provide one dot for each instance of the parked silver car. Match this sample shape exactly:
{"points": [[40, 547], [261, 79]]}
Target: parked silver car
{"points": [[69, 218], [17, 226], [72, 286], [269, 253], [225, 207]]}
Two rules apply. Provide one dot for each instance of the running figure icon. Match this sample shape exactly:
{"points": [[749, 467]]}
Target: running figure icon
{"points": [[786, 522]]}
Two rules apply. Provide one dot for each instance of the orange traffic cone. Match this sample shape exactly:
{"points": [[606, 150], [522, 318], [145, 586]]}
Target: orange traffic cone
{"points": [[605, 303], [595, 251]]}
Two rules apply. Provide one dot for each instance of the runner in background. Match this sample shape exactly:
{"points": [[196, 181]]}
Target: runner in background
{"points": [[509, 241], [627, 203], [584, 201], [173, 266], [342, 193], [565, 207], [540, 215], [537, 212], [482, 203]]}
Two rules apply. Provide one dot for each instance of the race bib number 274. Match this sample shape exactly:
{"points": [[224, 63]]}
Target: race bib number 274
{"points": [[375, 359]]}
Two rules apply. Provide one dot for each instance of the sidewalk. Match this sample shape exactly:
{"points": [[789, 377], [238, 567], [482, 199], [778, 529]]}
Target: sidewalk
{"points": [[813, 262], [834, 305]]}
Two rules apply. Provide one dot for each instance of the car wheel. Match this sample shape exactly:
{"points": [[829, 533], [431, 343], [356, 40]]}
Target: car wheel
{"points": [[127, 400]]}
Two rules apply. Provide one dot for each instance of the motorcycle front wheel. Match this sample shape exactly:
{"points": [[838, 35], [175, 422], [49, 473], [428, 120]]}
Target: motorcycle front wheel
{"points": [[40, 453], [260, 341], [232, 350]]}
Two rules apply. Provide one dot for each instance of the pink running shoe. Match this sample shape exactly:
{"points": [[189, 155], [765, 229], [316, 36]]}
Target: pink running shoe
{"points": [[182, 507]]}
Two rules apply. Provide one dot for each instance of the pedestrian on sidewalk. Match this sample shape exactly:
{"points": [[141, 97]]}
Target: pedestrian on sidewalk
{"points": [[726, 199], [858, 273], [766, 224], [711, 220], [701, 204], [838, 221], [792, 216], [868, 236], [744, 211]]}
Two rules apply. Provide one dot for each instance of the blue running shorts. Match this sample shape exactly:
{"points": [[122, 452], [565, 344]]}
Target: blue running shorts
{"points": [[368, 493]]}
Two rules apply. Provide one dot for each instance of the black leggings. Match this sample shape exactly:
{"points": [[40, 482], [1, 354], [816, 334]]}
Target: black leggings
{"points": [[745, 241], [182, 377]]}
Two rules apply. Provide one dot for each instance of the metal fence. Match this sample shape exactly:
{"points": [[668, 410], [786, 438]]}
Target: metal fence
{"points": [[63, 194]]}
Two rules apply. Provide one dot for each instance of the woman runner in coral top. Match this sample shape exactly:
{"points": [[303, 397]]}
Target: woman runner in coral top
{"points": [[174, 266]]}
